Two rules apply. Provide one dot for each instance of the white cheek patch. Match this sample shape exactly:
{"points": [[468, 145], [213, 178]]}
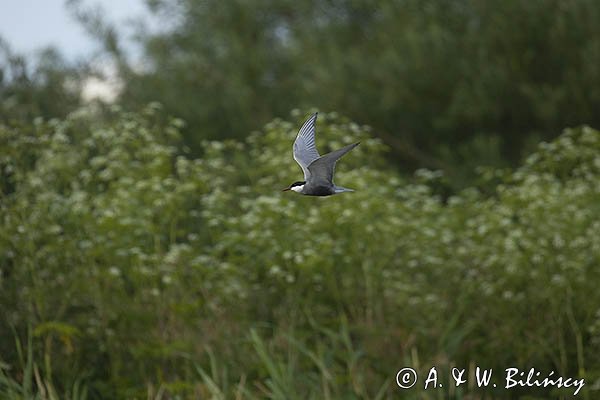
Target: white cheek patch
{"points": [[298, 189]]}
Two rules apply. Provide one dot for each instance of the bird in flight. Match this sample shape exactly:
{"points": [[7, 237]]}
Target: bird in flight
{"points": [[318, 170]]}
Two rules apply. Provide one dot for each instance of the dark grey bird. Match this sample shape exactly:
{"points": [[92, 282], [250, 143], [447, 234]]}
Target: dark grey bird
{"points": [[318, 170]]}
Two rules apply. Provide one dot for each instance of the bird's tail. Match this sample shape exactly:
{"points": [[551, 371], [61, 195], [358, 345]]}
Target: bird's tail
{"points": [[339, 189]]}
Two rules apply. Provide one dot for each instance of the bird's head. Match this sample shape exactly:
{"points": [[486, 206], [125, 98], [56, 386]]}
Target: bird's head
{"points": [[296, 187]]}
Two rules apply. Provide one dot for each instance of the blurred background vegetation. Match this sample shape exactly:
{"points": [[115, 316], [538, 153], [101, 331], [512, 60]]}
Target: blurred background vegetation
{"points": [[145, 251]]}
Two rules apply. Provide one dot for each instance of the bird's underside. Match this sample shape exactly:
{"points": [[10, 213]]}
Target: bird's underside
{"points": [[317, 190]]}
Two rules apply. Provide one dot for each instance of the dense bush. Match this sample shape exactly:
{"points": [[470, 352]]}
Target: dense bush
{"points": [[448, 84], [138, 272], [44, 84]]}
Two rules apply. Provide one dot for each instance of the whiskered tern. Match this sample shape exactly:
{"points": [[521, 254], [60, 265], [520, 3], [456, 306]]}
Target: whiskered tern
{"points": [[318, 170]]}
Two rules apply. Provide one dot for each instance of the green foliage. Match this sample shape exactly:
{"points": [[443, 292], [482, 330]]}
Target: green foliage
{"points": [[44, 85], [23, 389], [146, 273], [450, 85]]}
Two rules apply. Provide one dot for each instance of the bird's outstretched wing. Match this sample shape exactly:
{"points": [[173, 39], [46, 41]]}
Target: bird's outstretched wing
{"points": [[321, 170], [305, 150]]}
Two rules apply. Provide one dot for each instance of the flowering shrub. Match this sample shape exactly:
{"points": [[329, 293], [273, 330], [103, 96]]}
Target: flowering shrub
{"points": [[141, 272]]}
